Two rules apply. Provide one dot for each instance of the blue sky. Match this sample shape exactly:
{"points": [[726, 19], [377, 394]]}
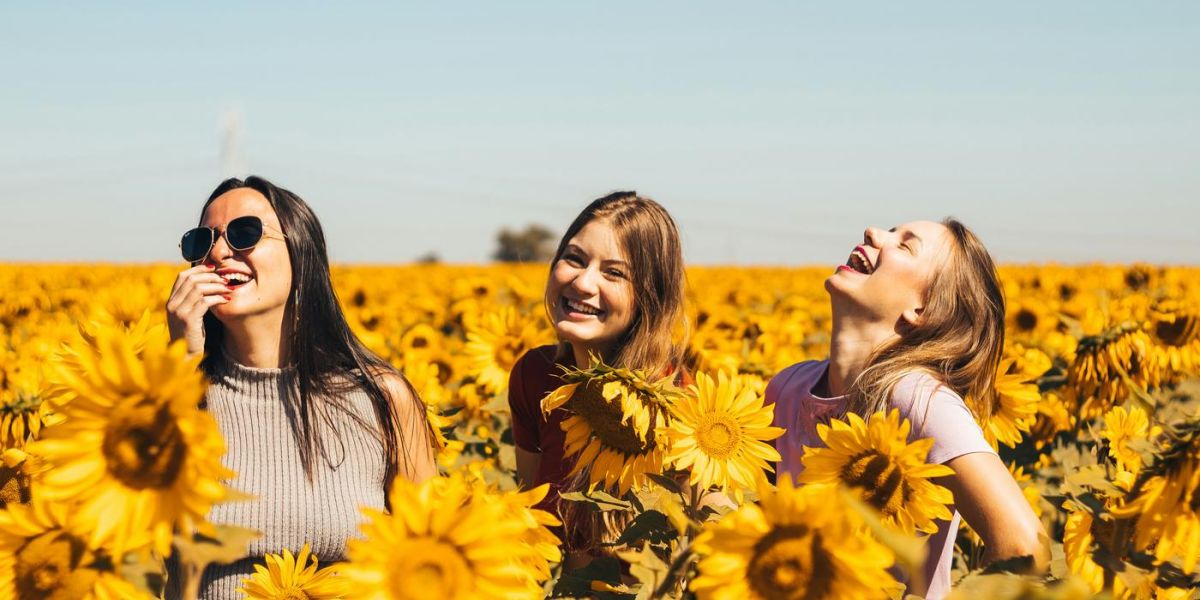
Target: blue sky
{"points": [[773, 132]]}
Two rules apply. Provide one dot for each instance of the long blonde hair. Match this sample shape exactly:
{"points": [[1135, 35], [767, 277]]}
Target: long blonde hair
{"points": [[959, 339], [655, 341]]}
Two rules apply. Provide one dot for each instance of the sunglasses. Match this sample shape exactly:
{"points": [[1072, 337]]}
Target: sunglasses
{"points": [[242, 233]]}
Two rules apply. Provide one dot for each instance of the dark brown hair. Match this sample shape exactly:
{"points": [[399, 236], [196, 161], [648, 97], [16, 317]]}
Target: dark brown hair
{"points": [[325, 353]]}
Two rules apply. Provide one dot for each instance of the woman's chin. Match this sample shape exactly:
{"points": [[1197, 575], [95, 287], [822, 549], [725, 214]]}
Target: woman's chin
{"points": [[578, 334]]}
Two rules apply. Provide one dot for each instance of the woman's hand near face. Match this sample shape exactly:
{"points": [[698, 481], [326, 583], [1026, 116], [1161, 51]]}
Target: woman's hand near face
{"points": [[195, 291]]}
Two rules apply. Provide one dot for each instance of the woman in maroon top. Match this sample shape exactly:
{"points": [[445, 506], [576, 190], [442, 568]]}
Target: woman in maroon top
{"points": [[616, 290]]}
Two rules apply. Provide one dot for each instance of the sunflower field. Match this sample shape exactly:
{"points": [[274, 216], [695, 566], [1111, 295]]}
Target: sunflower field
{"points": [[110, 465]]}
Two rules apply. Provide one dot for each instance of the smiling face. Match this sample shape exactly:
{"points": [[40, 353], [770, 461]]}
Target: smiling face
{"points": [[261, 276], [887, 278], [589, 291]]}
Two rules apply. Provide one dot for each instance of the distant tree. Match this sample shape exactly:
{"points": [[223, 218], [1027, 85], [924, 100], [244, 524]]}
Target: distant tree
{"points": [[535, 243], [429, 258]]}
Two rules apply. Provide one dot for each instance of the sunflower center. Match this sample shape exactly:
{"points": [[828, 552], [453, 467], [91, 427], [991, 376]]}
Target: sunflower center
{"points": [[604, 417], [20, 405], [880, 478], [14, 486], [1177, 331], [434, 569], [719, 435], [1026, 320], [790, 563], [144, 447], [506, 354], [1137, 278], [292, 593], [48, 566]]}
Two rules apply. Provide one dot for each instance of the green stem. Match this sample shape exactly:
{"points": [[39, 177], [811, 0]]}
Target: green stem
{"points": [[677, 565]]}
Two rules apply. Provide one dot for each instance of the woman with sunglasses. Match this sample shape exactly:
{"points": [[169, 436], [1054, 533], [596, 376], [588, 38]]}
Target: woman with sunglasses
{"points": [[316, 425]]}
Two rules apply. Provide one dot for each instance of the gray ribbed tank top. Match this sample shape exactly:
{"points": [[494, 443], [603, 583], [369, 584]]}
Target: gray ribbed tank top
{"points": [[288, 509]]}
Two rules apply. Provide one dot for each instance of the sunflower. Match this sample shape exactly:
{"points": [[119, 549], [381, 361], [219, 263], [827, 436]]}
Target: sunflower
{"points": [[1077, 545], [134, 448], [1029, 319], [1108, 363], [1053, 417], [44, 554], [471, 401], [138, 334], [718, 435], [1175, 329], [424, 380], [795, 543], [1166, 503], [1081, 533], [18, 470], [544, 544], [289, 577], [614, 416], [421, 340], [1017, 406], [875, 459], [454, 540], [1122, 427], [22, 410], [496, 342]]}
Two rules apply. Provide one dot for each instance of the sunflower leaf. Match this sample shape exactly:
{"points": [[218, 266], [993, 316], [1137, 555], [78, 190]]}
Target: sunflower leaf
{"points": [[578, 583], [651, 526], [603, 501], [667, 483], [1094, 477], [144, 572], [228, 546], [648, 568]]}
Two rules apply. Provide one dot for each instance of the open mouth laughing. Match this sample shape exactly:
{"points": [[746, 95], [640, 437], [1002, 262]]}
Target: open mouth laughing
{"points": [[235, 279], [860, 262], [575, 307]]}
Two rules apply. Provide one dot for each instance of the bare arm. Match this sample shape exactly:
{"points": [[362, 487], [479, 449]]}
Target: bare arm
{"points": [[417, 460], [991, 502], [527, 467]]}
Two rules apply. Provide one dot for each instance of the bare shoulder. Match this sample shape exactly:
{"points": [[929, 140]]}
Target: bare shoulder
{"points": [[397, 388]]}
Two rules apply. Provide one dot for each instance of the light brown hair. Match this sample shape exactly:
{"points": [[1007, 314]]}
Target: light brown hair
{"points": [[646, 233], [959, 339], [655, 341]]}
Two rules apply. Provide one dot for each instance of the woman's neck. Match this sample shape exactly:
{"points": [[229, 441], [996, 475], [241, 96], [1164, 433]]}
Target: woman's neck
{"points": [[851, 344], [583, 354], [258, 342]]}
